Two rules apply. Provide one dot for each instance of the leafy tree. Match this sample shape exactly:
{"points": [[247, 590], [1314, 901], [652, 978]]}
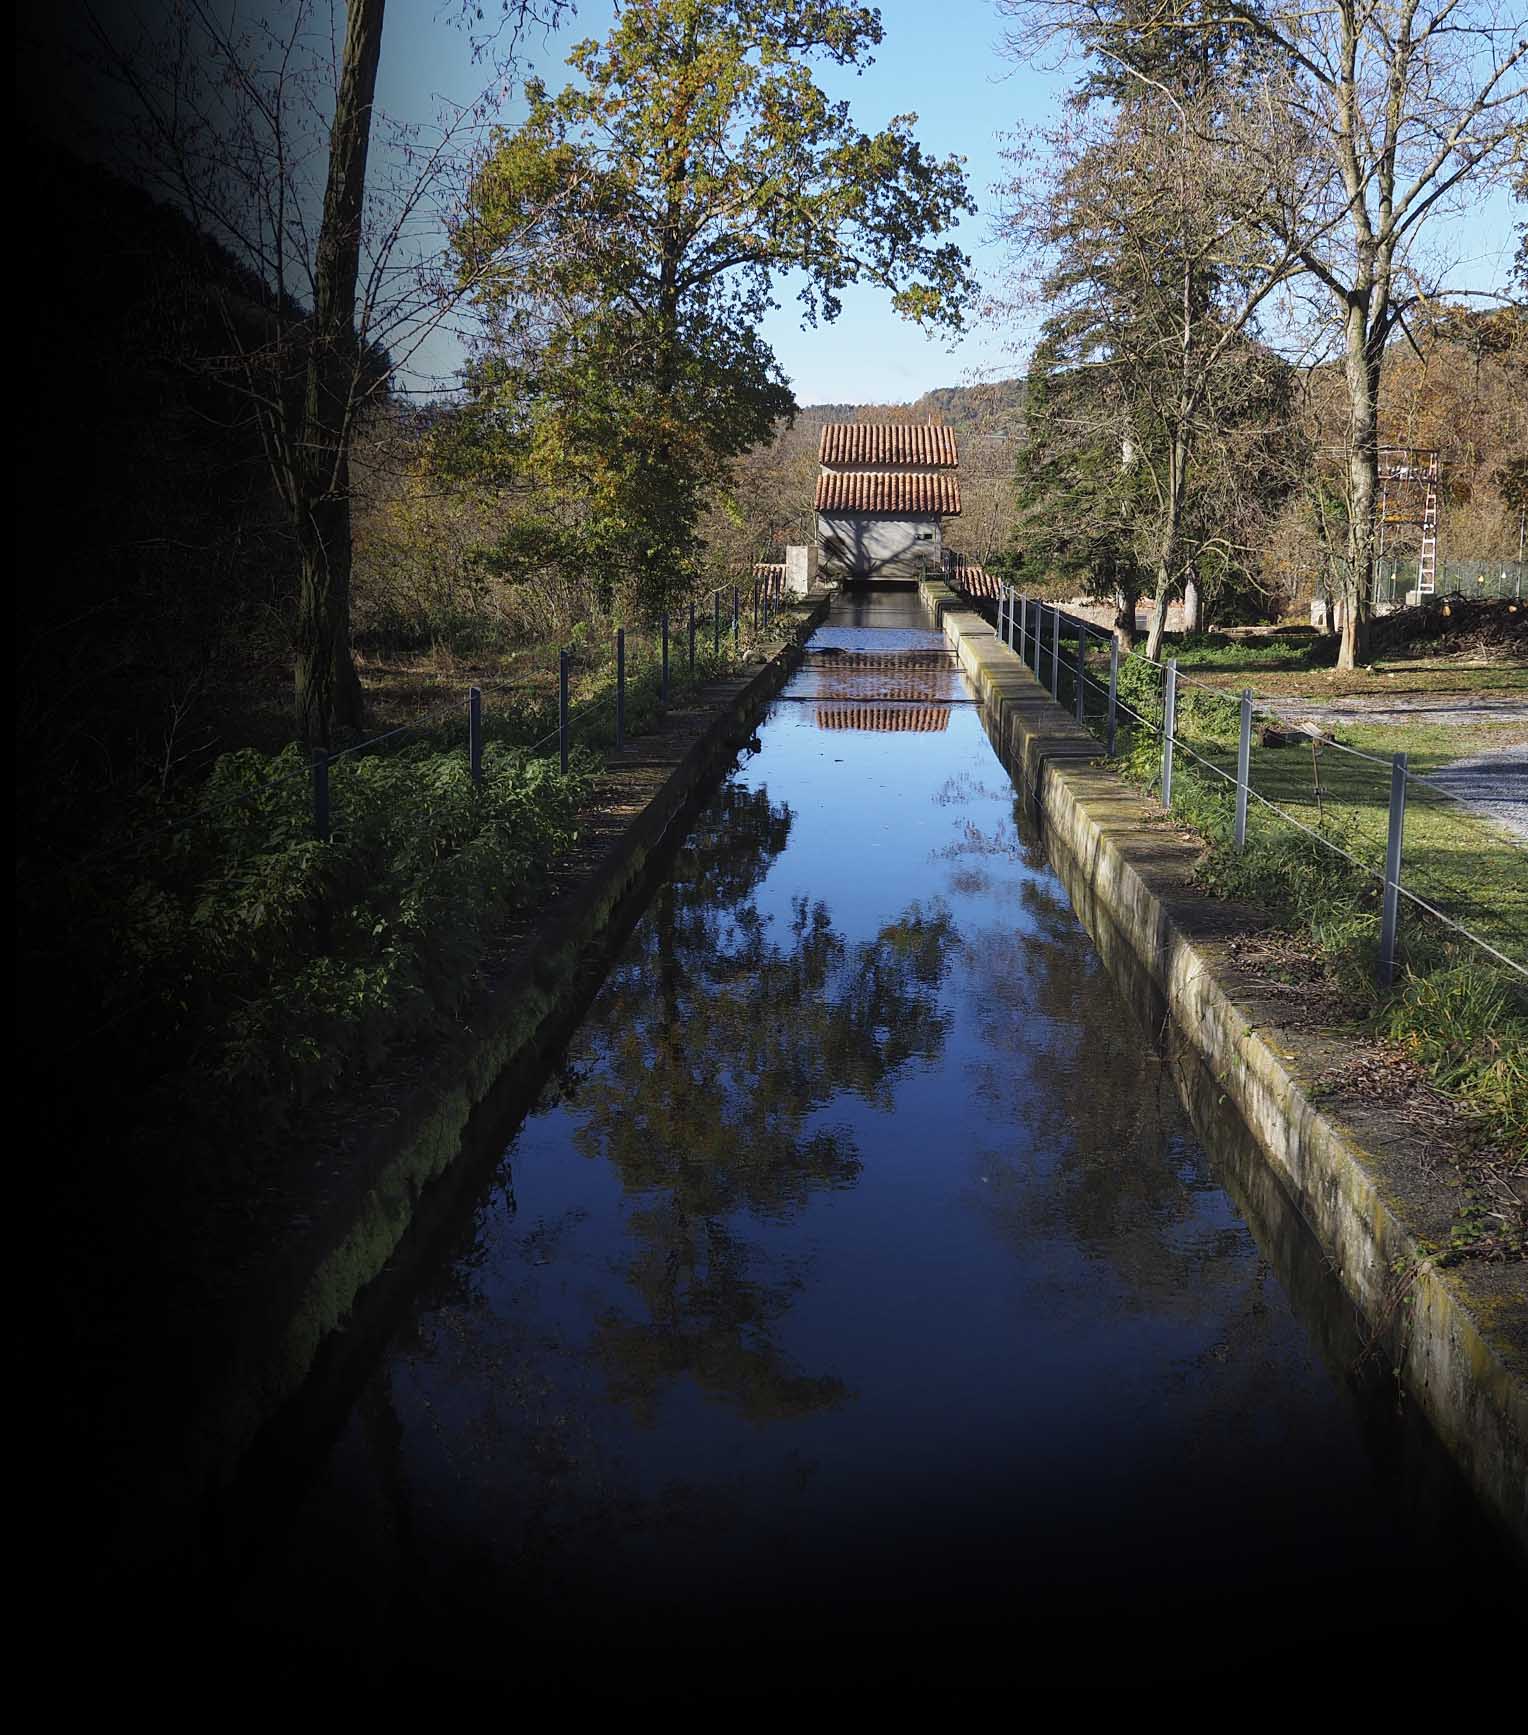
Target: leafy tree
{"points": [[625, 240], [1078, 504]]}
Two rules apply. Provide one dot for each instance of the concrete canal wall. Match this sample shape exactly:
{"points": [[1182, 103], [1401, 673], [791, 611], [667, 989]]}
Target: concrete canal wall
{"points": [[353, 1205], [1457, 1337]]}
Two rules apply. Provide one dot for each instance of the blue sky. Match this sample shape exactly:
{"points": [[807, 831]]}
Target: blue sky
{"points": [[941, 61]]}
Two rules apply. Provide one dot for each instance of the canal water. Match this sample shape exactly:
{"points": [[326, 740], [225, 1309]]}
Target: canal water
{"points": [[857, 1306]]}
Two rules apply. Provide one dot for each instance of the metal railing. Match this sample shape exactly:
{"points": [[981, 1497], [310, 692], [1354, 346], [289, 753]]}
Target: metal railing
{"points": [[1034, 629], [642, 654]]}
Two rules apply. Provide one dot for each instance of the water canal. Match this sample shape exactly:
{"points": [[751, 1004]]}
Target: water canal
{"points": [[858, 1299]]}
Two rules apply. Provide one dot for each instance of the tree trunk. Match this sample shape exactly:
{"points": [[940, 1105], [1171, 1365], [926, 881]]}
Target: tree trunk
{"points": [[328, 692], [1361, 369], [1158, 629], [1172, 532], [1191, 604], [1127, 594]]}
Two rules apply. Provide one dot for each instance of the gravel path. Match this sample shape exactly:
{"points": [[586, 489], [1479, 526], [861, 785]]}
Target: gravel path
{"points": [[1446, 708], [1495, 784]]}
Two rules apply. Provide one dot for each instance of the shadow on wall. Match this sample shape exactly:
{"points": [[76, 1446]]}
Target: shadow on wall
{"points": [[879, 548]]}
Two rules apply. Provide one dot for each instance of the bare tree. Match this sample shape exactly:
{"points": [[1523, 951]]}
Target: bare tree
{"points": [[265, 132], [1403, 108], [1138, 222]]}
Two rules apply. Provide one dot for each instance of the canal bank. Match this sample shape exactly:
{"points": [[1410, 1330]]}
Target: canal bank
{"points": [[1457, 1337], [335, 1217], [855, 1311]]}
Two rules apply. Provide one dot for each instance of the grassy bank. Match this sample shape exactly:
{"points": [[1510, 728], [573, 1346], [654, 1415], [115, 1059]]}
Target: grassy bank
{"points": [[227, 970], [1450, 1038]]}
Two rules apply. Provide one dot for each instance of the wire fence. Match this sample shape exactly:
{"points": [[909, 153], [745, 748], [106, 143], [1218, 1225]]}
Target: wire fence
{"points": [[1414, 841], [1397, 579], [649, 664]]}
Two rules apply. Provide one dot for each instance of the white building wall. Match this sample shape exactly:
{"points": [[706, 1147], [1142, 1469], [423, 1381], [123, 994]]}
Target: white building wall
{"points": [[872, 545]]}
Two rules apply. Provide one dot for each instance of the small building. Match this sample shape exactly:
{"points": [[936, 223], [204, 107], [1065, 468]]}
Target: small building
{"points": [[883, 493]]}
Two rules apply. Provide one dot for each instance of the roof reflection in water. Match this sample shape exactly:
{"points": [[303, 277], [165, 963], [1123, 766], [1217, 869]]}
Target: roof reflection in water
{"points": [[884, 719]]}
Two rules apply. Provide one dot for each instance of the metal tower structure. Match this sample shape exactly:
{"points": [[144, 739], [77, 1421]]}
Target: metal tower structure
{"points": [[1408, 484]]}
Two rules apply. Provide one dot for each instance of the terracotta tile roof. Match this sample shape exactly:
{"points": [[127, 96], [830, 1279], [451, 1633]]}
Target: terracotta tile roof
{"points": [[769, 577], [861, 443], [965, 575], [934, 495]]}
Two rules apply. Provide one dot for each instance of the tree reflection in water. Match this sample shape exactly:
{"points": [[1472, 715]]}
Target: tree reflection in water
{"points": [[1108, 1165], [718, 1046]]}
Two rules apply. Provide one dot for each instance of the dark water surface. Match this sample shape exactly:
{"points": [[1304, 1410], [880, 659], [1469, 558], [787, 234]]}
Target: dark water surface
{"points": [[857, 1304]]}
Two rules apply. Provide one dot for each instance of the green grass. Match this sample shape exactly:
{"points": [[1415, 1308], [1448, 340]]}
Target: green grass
{"points": [[1458, 1013], [1301, 666]]}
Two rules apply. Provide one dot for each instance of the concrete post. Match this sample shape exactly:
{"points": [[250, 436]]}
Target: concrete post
{"points": [[1243, 767], [1113, 689], [800, 569], [1391, 908], [620, 688], [321, 795]]}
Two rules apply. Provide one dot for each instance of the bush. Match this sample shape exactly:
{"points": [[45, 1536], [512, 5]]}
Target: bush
{"points": [[260, 966]]}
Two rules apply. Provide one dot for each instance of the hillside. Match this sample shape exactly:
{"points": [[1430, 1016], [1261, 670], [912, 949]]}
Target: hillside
{"points": [[995, 407]]}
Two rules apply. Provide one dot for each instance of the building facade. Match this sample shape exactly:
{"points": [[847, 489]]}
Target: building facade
{"points": [[884, 490]]}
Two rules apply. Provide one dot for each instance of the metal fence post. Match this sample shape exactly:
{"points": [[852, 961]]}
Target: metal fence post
{"points": [[1392, 902], [321, 794], [475, 733], [620, 688], [1169, 723], [1056, 654], [1082, 658], [716, 623], [736, 616], [562, 708], [692, 640], [663, 681], [1243, 767], [1113, 688]]}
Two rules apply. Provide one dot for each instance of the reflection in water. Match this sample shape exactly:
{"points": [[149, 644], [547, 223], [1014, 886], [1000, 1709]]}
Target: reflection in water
{"points": [[884, 719], [857, 1281], [901, 691], [720, 1042]]}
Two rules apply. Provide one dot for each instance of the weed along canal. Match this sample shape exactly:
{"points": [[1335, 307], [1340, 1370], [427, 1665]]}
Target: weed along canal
{"points": [[857, 1304]]}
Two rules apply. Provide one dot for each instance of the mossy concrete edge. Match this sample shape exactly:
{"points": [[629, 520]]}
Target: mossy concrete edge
{"points": [[1131, 880]]}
